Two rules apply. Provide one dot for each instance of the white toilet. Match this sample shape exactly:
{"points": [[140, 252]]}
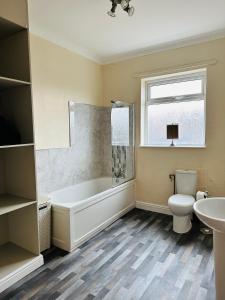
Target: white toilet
{"points": [[181, 204]]}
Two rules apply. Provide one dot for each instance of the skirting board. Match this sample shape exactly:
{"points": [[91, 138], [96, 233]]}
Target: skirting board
{"points": [[21, 273], [162, 209]]}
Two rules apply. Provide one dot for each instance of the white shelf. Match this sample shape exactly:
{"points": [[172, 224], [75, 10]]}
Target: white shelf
{"points": [[8, 28], [16, 263], [17, 146], [6, 82], [9, 203], [12, 258]]}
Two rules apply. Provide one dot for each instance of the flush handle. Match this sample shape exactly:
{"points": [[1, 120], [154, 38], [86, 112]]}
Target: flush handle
{"points": [[172, 177]]}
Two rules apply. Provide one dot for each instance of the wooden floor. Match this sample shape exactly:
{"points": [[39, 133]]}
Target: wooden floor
{"points": [[138, 257]]}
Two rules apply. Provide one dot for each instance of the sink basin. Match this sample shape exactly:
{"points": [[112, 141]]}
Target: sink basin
{"points": [[211, 212]]}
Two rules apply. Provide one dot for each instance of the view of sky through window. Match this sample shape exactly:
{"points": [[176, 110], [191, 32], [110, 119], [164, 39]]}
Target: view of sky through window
{"points": [[176, 89]]}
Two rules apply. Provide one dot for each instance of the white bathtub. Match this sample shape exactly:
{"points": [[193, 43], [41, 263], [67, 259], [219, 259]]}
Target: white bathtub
{"points": [[82, 210]]}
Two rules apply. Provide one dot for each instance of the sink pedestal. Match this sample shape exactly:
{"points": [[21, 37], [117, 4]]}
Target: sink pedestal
{"points": [[219, 258], [211, 211]]}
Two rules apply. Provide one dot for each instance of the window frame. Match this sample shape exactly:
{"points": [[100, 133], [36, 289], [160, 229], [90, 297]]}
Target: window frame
{"points": [[146, 100]]}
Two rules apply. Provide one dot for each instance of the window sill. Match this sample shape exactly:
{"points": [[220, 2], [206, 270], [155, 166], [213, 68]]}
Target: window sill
{"points": [[172, 147]]}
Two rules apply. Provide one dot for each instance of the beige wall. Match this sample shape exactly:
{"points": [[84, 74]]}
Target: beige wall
{"points": [[153, 165], [58, 76]]}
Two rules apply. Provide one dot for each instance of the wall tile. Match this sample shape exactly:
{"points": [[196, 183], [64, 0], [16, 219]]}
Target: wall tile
{"points": [[90, 154]]}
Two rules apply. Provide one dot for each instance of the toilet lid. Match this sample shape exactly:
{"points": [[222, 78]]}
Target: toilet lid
{"points": [[181, 200]]}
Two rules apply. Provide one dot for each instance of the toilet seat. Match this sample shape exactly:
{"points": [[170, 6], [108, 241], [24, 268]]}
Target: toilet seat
{"points": [[181, 205]]}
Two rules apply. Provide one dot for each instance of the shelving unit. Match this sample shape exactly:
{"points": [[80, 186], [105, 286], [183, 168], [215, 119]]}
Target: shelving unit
{"points": [[15, 258], [19, 238], [17, 146], [9, 83], [10, 203], [8, 28]]}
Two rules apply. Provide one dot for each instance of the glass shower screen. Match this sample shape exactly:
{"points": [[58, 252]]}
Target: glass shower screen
{"points": [[122, 137]]}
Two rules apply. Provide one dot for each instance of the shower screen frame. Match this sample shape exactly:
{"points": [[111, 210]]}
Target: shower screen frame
{"points": [[120, 104]]}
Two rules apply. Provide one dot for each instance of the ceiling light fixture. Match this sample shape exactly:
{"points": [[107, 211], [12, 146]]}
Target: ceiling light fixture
{"points": [[125, 4]]}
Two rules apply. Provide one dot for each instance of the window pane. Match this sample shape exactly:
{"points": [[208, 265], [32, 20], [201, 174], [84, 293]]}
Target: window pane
{"points": [[120, 126], [176, 89], [188, 115]]}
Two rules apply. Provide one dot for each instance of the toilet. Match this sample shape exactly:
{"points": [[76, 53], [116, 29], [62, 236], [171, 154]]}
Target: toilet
{"points": [[181, 204]]}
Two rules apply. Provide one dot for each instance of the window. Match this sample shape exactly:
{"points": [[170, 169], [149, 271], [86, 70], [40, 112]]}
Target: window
{"points": [[177, 99]]}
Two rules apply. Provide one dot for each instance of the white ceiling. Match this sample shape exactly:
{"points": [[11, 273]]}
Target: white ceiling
{"points": [[84, 27]]}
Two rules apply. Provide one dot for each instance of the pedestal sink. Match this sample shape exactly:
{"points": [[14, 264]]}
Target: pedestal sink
{"points": [[211, 212]]}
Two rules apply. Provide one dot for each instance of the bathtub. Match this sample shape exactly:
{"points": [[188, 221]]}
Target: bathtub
{"points": [[81, 211]]}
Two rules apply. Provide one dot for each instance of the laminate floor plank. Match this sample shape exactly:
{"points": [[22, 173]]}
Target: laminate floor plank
{"points": [[137, 257]]}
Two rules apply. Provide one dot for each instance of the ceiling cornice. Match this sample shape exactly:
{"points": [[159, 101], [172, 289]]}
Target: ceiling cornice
{"points": [[166, 46], [77, 49], [133, 54]]}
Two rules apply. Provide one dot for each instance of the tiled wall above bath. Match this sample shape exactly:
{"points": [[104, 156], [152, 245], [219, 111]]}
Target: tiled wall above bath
{"points": [[89, 155]]}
